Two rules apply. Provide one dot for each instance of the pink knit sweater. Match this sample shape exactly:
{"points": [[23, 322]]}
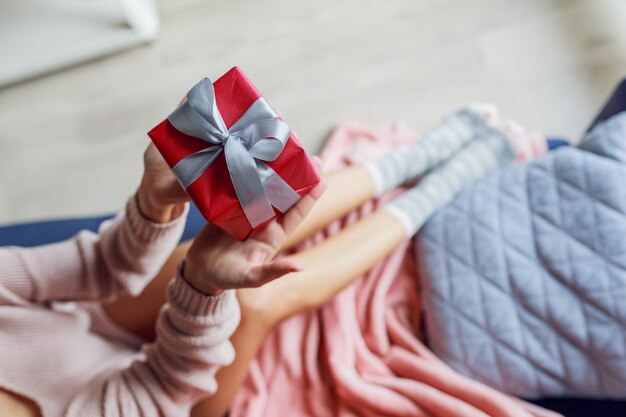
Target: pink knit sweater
{"points": [[59, 349]]}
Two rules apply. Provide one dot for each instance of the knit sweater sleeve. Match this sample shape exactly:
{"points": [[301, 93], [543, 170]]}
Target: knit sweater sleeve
{"points": [[178, 369], [122, 258]]}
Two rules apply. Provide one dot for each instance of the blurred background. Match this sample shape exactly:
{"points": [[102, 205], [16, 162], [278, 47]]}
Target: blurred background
{"points": [[82, 81]]}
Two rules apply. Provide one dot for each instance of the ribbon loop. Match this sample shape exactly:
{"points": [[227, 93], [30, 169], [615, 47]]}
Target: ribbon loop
{"points": [[265, 139], [257, 136]]}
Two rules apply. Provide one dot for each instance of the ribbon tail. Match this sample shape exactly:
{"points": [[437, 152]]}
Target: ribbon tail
{"points": [[188, 169], [247, 183], [279, 193]]}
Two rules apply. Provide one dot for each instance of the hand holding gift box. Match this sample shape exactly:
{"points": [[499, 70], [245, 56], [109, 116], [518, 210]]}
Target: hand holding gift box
{"points": [[238, 161]]}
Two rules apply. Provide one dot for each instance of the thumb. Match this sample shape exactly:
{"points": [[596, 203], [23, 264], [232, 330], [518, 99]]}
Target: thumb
{"points": [[262, 274]]}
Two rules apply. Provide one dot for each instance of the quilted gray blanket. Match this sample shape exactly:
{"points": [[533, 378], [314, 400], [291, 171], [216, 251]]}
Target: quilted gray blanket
{"points": [[523, 278]]}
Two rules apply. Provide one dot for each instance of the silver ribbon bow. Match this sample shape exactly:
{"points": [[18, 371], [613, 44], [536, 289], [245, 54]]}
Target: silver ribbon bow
{"points": [[256, 137]]}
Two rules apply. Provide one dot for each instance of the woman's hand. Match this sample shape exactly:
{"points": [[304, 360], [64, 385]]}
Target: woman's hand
{"points": [[216, 261], [161, 198]]}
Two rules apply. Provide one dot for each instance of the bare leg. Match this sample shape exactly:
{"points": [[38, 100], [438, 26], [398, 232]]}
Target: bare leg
{"points": [[347, 189], [324, 275], [15, 405]]}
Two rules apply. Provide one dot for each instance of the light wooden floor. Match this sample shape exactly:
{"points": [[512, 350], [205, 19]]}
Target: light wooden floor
{"points": [[70, 143]]}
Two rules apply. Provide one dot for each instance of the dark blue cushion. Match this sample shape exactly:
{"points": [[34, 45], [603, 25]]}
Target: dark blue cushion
{"points": [[614, 105], [43, 232], [574, 407], [555, 143]]}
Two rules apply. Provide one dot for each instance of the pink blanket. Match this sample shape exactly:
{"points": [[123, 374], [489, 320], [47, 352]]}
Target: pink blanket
{"points": [[361, 354]]}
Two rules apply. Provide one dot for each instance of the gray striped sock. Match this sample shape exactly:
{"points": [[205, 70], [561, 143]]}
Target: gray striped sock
{"points": [[410, 161], [487, 152]]}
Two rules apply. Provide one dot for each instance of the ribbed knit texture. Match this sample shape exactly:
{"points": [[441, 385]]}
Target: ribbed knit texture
{"points": [[487, 152], [407, 162], [51, 353]]}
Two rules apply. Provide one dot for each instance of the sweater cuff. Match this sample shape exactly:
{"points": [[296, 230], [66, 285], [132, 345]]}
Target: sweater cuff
{"points": [[148, 230], [184, 298]]}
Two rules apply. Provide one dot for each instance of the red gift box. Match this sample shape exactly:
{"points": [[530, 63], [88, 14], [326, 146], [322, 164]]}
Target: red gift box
{"points": [[213, 192]]}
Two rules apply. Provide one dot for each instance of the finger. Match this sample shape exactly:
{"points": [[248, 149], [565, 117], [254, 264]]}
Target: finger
{"points": [[317, 162], [152, 153], [147, 154], [276, 232], [294, 216], [265, 273], [175, 194]]}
